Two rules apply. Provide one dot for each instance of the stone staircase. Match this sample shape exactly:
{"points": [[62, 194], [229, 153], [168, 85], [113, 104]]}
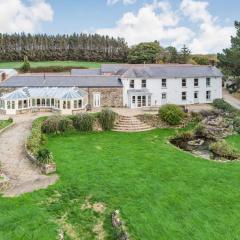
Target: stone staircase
{"points": [[130, 124]]}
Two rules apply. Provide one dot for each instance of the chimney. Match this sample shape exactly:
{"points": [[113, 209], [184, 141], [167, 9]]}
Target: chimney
{"points": [[3, 76]]}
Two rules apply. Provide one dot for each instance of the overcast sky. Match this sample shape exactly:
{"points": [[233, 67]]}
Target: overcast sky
{"points": [[204, 25]]}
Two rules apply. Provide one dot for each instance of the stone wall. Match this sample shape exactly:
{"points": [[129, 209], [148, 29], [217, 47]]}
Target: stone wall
{"points": [[110, 97]]}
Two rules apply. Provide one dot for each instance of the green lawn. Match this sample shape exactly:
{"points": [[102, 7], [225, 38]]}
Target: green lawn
{"points": [[52, 63], [162, 192], [4, 123]]}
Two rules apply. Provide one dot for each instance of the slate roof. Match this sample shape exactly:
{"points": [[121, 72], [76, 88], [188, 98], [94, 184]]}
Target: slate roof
{"points": [[86, 72], [45, 92], [62, 81], [160, 72]]}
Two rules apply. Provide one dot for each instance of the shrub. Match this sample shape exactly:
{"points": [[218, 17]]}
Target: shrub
{"points": [[10, 120], [236, 124], [186, 136], [222, 105], [107, 118], [223, 149], [65, 124], [44, 156], [51, 125], [83, 122], [26, 65], [36, 138], [200, 130], [172, 114], [197, 116]]}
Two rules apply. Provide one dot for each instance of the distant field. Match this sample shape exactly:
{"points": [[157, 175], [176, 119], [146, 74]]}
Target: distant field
{"points": [[52, 63]]}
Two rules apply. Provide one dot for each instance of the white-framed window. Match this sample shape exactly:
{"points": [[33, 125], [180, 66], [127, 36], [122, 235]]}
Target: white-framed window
{"points": [[80, 103], [8, 104], [133, 99], [184, 96], [164, 83], [164, 96], [144, 83], [208, 95], [68, 104], [208, 82], [196, 95], [13, 104], [64, 104], [132, 83], [196, 82], [144, 102], [33, 102], [184, 82]]}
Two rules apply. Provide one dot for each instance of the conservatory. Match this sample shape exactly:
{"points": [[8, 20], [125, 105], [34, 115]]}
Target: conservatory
{"points": [[63, 100]]}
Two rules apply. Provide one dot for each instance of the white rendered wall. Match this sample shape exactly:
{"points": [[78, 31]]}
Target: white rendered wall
{"points": [[174, 90]]}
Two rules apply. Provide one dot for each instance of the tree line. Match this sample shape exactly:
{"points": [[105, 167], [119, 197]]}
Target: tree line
{"points": [[43, 47]]}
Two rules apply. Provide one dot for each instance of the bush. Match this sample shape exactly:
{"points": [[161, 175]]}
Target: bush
{"points": [[83, 122], [51, 124], [200, 131], [222, 105], [236, 124], [44, 156], [36, 138], [186, 136], [223, 149], [65, 124], [196, 116], [10, 120], [107, 118], [172, 114], [26, 65]]}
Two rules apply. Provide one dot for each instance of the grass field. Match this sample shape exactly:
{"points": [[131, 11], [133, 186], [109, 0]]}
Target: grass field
{"points": [[162, 192], [4, 123], [52, 63]]}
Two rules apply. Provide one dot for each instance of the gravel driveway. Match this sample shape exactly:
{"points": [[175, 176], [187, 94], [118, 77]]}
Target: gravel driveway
{"points": [[24, 176]]}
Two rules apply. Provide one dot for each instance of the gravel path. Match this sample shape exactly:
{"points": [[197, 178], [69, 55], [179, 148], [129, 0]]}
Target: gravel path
{"points": [[24, 176], [231, 99]]}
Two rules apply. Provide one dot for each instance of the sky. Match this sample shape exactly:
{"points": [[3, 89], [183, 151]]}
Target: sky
{"points": [[205, 26]]}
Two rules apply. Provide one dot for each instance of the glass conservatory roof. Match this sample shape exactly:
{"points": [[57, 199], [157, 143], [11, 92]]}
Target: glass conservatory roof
{"points": [[45, 92]]}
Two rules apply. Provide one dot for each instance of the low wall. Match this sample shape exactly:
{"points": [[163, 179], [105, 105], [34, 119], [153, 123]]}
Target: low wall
{"points": [[45, 168]]}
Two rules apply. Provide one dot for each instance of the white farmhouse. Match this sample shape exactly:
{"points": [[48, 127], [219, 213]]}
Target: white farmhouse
{"points": [[181, 85]]}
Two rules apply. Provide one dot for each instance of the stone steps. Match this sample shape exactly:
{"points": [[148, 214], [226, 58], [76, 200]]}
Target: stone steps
{"points": [[130, 124]]}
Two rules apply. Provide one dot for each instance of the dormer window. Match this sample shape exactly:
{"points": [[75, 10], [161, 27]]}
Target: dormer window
{"points": [[144, 83], [132, 83]]}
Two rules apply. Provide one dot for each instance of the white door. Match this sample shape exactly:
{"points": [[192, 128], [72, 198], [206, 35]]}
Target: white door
{"points": [[196, 97], [96, 100]]}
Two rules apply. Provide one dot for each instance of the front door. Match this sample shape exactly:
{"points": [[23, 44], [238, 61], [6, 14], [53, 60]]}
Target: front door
{"points": [[96, 100], [196, 97], [140, 101]]}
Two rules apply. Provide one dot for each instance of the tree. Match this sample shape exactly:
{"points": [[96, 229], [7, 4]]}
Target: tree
{"points": [[26, 65], [149, 52], [201, 60], [229, 60], [171, 55], [184, 55]]}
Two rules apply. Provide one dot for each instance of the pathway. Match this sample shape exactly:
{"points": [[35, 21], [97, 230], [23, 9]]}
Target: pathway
{"points": [[24, 176], [231, 100]]}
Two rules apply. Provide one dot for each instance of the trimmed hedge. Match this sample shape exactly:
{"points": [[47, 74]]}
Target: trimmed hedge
{"points": [[37, 138], [172, 114]]}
